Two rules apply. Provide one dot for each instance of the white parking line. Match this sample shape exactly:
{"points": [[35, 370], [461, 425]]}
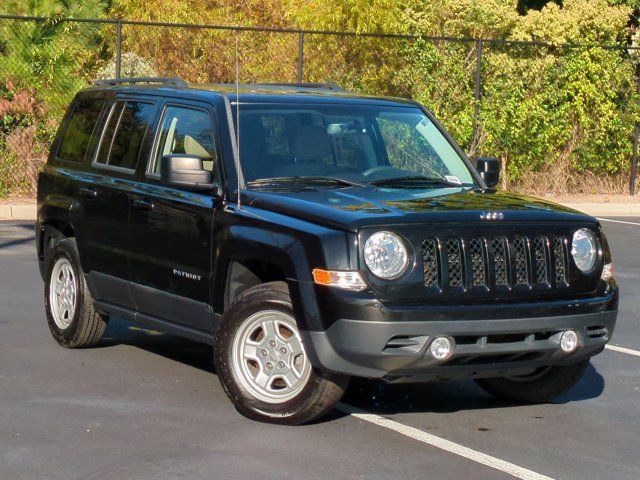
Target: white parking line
{"points": [[618, 221], [628, 351], [443, 444]]}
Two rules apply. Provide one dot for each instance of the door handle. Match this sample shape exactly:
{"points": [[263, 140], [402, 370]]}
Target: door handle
{"points": [[143, 204], [88, 192]]}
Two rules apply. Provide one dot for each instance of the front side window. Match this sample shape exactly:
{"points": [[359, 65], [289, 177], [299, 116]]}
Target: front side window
{"points": [[123, 136], [361, 143], [79, 130], [185, 130]]}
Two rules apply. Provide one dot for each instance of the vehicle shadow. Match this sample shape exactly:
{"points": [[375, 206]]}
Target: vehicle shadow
{"points": [[448, 397], [123, 332], [373, 396]]}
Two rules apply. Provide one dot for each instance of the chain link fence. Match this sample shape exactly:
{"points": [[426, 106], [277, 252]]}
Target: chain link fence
{"points": [[562, 117]]}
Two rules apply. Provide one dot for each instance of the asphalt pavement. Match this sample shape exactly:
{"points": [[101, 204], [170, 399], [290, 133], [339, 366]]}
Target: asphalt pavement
{"points": [[148, 405]]}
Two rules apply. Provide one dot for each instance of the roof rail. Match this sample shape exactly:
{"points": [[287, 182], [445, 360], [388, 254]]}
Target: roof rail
{"points": [[319, 86], [171, 82]]}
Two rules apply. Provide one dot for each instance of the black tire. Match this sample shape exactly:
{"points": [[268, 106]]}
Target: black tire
{"points": [[87, 326], [543, 386], [317, 397]]}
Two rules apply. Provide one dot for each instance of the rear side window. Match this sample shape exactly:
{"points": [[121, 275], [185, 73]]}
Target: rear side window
{"points": [[123, 136], [79, 129]]}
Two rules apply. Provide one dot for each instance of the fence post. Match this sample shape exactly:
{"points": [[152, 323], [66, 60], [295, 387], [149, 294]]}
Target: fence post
{"points": [[118, 48], [300, 55], [634, 161], [476, 95]]}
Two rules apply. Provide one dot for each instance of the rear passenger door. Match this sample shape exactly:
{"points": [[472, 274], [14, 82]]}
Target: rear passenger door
{"points": [[172, 228], [106, 197]]}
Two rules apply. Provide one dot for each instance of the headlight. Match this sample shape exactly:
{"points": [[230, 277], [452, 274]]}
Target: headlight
{"points": [[385, 255], [584, 250]]}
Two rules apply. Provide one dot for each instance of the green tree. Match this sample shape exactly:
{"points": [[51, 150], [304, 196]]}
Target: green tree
{"points": [[50, 57]]}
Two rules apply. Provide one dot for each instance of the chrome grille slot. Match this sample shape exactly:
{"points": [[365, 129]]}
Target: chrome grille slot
{"points": [[521, 269], [476, 251], [540, 259], [499, 253], [430, 262], [454, 262], [559, 260]]}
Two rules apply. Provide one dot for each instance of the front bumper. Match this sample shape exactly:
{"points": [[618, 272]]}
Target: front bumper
{"points": [[367, 339], [398, 351]]}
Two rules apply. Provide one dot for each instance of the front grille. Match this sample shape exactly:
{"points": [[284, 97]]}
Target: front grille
{"points": [[489, 263]]}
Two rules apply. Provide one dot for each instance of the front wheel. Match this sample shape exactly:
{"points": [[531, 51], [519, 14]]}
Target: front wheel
{"points": [[542, 386], [262, 364]]}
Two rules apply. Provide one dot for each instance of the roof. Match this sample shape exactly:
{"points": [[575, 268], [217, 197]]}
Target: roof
{"points": [[250, 93]]}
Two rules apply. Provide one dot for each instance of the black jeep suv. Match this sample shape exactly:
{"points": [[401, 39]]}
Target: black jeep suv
{"points": [[311, 235]]}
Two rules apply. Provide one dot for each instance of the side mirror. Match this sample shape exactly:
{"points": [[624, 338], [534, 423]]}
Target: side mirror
{"points": [[489, 170], [186, 172]]}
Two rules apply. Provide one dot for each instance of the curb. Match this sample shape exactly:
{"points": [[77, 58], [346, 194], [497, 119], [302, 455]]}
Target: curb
{"points": [[607, 209], [21, 211], [27, 211]]}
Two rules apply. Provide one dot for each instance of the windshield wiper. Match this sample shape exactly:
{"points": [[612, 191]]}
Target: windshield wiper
{"points": [[304, 179], [415, 179]]}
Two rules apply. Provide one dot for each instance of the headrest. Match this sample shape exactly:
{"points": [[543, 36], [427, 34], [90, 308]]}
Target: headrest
{"points": [[192, 147], [311, 144]]}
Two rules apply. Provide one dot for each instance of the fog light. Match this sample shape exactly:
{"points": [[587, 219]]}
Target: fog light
{"points": [[569, 341], [441, 348]]}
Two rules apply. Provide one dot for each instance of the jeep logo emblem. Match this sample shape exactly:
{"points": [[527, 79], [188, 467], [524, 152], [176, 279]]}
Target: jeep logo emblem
{"points": [[491, 216]]}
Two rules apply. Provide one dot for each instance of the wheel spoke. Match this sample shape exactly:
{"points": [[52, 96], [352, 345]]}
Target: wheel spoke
{"points": [[250, 351], [61, 310], [290, 378], [295, 346], [269, 329], [262, 379]]}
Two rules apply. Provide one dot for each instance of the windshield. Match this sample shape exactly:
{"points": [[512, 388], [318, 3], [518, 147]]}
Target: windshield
{"points": [[359, 143]]}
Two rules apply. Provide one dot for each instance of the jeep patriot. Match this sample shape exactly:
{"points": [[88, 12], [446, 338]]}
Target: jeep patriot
{"points": [[311, 235]]}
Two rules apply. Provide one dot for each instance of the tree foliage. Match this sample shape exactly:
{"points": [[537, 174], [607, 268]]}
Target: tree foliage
{"points": [[553, 114]]}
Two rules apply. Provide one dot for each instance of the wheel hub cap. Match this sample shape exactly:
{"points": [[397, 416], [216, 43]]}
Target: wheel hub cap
{"points": [[269, 357], [62, 293]]}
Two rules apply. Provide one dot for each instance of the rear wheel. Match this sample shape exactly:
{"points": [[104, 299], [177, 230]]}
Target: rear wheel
{"points": [[72, 319], [542, 386], [262, 364]]}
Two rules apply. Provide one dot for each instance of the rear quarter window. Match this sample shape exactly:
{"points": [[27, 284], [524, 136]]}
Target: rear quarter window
{"points": [[79, 130], [124, 134]]}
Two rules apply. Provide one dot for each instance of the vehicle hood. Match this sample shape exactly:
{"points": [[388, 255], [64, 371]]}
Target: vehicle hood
{"points": [[355, 207]]}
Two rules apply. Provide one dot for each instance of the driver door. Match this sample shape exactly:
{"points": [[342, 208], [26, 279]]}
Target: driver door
{"points": [[171, 262]]}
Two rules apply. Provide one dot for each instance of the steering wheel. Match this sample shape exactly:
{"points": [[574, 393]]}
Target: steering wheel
{"points": [[377, 169]]}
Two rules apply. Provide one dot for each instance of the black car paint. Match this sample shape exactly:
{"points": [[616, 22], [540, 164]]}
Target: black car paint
{"points": [[168, 265]]}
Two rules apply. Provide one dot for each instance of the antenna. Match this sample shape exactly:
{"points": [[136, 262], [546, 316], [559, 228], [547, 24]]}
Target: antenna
{"points": [[238, 120]]}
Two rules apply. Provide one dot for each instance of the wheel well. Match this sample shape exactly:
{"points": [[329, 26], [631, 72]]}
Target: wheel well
{"points": [[50, 234], [243, 275]]}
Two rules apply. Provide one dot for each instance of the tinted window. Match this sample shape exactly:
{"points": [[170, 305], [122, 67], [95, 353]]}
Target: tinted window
{"points": [[363, 143], [186, 130], [122, 139], [77, 134]]}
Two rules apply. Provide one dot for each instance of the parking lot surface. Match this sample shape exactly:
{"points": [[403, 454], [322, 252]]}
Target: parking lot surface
{"points": [[149, 405]]}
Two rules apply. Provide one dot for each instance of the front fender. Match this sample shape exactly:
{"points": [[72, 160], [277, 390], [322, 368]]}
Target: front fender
{"points": [[294, 246]]}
